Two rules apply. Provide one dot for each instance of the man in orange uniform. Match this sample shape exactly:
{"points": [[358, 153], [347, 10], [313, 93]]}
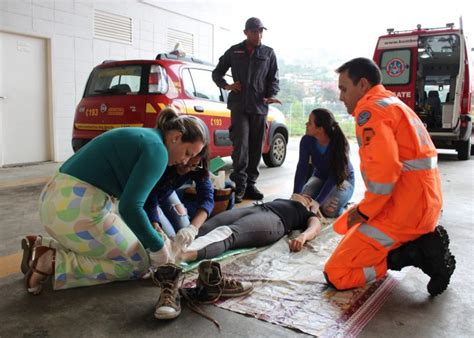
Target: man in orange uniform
{"points": [[394, 225]]}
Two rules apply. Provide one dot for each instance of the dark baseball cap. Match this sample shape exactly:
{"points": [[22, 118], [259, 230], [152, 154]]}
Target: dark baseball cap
{"points": [[254, 23]]}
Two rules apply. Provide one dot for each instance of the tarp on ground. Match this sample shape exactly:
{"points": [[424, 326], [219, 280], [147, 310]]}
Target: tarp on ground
{"points": [[290, 289]]}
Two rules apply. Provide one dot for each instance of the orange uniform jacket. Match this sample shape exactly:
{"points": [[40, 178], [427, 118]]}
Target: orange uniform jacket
{"points": [[399, 167], [403, 189]]}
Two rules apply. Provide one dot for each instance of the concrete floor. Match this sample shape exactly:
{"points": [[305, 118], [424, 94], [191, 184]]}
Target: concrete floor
{"points": [[126, 309]]}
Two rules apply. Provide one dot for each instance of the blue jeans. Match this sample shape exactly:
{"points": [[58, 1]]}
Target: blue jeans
{"points": [[171, 220], [336, 200]]}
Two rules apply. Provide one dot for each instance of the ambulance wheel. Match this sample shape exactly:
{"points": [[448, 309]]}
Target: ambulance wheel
{"points": [[464, 150]]}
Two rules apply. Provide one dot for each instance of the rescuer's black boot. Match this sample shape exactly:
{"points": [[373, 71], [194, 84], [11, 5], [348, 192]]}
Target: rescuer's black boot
{"points": [[431, 254], [406, 255], [438, 262]]}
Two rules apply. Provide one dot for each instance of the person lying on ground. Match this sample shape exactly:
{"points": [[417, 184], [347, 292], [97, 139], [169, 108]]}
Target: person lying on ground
{"points": [[256, 226]]}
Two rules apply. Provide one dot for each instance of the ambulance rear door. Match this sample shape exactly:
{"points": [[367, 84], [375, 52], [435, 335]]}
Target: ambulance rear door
{"points": [[396, 57]]}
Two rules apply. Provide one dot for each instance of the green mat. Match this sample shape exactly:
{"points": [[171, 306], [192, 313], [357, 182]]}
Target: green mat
{"points": [[189, 266]]}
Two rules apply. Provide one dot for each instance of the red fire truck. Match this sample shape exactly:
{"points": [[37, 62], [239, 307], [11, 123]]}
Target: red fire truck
{"points": [[428, 69]]}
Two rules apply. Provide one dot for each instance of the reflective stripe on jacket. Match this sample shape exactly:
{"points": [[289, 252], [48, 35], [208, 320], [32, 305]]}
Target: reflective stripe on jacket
{"points": [[398, 164]]}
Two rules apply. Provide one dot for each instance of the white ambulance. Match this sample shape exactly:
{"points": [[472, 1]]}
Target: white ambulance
{"points": [[428, 68]]}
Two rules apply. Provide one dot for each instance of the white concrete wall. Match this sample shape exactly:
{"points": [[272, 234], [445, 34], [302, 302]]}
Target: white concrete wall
{"points": [[68, 26]]}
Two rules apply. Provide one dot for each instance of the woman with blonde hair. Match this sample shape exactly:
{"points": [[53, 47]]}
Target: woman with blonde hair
{"points": [[91, 243]]}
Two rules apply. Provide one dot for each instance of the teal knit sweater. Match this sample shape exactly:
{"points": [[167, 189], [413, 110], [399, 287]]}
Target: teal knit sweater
{"points": [[125, 163]]}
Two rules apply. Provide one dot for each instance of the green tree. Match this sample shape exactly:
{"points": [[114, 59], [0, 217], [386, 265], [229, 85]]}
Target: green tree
{"points": [[322, 89], [296, 119]]}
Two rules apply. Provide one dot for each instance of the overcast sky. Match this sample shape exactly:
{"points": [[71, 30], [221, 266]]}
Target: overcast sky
{"points": [[340, 28]]}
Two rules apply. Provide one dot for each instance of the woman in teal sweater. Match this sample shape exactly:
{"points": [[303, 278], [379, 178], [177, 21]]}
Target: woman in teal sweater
{"points": [[91, 243]]}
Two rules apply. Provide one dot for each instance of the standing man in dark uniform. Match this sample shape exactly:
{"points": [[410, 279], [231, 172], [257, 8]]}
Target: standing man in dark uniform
{"points": [[255, 74]]}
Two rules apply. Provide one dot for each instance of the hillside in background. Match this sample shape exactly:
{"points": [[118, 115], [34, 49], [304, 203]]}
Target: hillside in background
{"points": [[305, 86]]}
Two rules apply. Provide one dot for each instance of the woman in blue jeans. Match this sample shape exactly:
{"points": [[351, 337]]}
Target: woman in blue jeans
{"points": [[326, 149], [164, 208]]}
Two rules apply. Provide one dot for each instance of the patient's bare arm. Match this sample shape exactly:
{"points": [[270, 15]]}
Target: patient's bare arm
{"points": [[313, 229]]}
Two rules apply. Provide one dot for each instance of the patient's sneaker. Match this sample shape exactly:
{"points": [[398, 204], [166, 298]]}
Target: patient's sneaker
{"points": [[216, 285], [167, 278]]}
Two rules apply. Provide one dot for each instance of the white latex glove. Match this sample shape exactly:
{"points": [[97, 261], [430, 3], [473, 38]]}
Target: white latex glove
{"points": [[185, 236], [181, 241]]}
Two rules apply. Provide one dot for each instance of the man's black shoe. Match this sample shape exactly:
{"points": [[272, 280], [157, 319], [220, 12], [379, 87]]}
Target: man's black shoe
{"points": [[253, 193], [239, 195]]}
